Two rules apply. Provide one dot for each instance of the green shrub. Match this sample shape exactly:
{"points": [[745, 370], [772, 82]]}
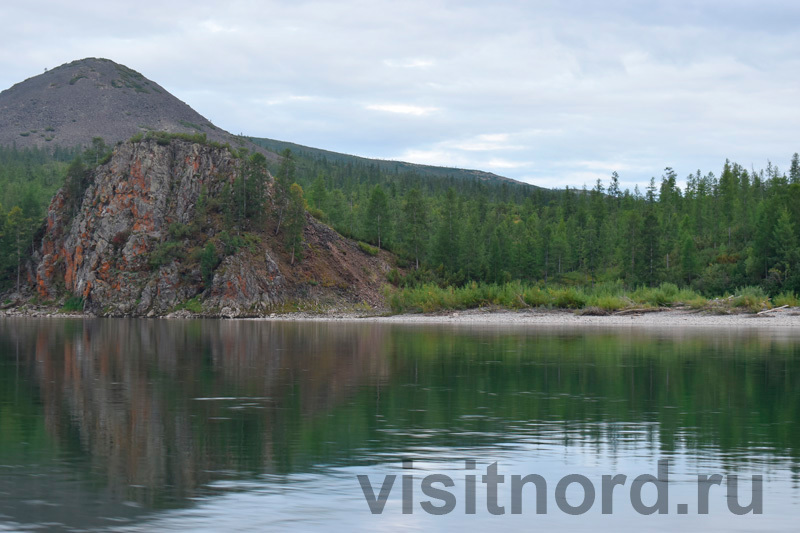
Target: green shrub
{"points": [[178, 230], [608, 302], [251, 241], [165, 253], [751, 298], [230, 243], [417, 293], [317, 213], [72, 304], [163, 138], [193, 305], [367, 249], [698, 302], [568, 298], [663, 295], [394, 277], [668, 291], [786, 298], [536, 297]]}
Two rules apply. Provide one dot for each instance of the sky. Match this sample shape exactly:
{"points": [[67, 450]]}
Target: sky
{"points": [[554, 93]]}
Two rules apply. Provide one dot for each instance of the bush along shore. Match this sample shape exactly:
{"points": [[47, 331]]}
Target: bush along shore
{"points": [[601, 299]]}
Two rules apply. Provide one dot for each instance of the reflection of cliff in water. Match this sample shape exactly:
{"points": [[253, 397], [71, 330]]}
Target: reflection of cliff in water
{"points": [[154, 411], [158, 408]]}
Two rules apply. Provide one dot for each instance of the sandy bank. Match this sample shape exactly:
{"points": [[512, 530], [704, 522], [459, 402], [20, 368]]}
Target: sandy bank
{"points": [[787, 319], [781, 318]]}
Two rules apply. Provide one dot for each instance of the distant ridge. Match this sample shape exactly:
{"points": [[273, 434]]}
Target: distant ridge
{"points": [[94, 97], [385, 164]]}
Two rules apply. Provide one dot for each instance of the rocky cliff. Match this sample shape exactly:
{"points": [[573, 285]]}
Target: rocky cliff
{"points": [[117, 246]]}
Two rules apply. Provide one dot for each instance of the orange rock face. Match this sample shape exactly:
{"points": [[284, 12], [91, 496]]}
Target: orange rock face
{"points": [[113, 246]]}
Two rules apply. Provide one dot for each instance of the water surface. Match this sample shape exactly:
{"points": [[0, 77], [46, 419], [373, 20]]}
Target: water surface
{"points": [[146, 425]]}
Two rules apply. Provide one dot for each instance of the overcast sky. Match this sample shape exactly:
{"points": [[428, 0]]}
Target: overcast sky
{"points": [[553, 93]]}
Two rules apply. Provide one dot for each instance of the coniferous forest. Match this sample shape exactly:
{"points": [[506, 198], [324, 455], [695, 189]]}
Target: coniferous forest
{"points": [[720, 233]]}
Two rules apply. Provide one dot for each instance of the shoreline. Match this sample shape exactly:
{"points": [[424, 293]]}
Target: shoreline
{"points": [[786, 318], [668, 318]]}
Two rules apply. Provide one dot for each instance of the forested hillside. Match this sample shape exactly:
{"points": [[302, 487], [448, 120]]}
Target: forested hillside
{"points": [[384, 165], [28, 179], [717, 233]]}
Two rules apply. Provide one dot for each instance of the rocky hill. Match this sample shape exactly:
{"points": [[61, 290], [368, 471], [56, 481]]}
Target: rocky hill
{"points": [[131, 245], [71, 104]]}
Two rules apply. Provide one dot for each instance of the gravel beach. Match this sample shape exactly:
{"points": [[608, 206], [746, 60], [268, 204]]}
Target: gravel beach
{"points": [[787, 319]]}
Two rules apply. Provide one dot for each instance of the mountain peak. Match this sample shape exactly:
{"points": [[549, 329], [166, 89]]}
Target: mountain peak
{"points": [[94, 97]]}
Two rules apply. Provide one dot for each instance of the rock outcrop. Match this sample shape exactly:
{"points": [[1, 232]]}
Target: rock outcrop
{"points": [[101, 247]]}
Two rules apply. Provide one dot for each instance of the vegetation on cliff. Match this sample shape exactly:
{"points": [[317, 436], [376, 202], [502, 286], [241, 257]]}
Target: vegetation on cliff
{"points": [[164, 224]]}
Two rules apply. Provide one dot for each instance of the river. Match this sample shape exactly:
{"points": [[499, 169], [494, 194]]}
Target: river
{"points": [[238, 425]]}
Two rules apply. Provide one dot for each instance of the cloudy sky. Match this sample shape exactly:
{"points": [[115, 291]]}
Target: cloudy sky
{"points": [[553, 93]]}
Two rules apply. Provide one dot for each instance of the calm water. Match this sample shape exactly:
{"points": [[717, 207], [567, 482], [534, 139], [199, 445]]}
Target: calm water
{"points": [[154, 425]]}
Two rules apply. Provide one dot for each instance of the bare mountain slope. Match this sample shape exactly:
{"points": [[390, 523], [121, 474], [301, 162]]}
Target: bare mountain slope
{"points": [[71, 104]]}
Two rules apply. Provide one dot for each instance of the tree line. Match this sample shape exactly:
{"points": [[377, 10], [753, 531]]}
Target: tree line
{"points": [[715, 234]]}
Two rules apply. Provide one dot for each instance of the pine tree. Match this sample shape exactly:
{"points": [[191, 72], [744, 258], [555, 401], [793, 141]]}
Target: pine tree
{"points": [[75, 183], [794, 169], [688, 252], [16, 230], [415, 224], [208, 262], [283, 182], [295, 220], [377, 222], [784, 242], [558, 246], [445, 247]]}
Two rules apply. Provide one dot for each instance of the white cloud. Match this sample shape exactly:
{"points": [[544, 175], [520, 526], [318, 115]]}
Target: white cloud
{"points": [[496, 163], [409, 63], [543, 91], [402, 109]]}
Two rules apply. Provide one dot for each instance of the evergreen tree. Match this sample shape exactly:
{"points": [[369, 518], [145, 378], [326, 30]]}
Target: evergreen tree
{"points": [[295, 220], [283, 181], [208, 262], [377, 223], [318, 196], [794, 169], [75, 184], [16, 230], [784, 242], [415, 224], [445, 248]]}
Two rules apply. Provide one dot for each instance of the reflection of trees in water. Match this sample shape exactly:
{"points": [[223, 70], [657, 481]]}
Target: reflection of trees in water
{"points": [[129, 389], [724, 390], [127, 395]]}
